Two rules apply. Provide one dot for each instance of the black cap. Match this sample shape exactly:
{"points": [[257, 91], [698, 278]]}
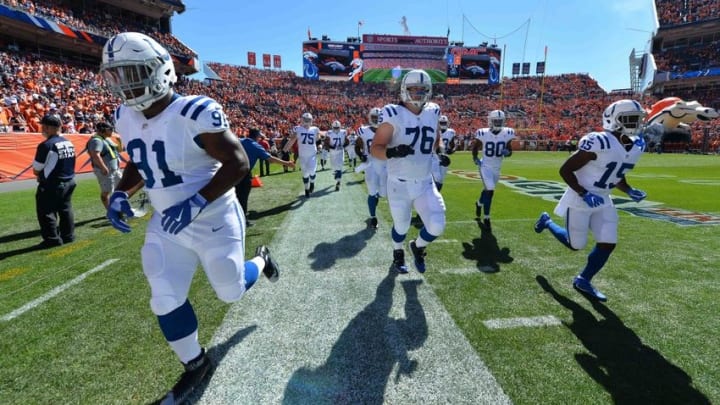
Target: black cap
{"points": [[51, 120], [254, 133], [102, 126]]}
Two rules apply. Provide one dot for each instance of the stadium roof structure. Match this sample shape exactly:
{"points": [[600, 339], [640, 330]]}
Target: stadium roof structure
{"points": [[151, 8], [54, 38]]}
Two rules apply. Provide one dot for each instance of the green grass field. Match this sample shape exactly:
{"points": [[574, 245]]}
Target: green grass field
{"points": [[654, 341], [385, 75]]}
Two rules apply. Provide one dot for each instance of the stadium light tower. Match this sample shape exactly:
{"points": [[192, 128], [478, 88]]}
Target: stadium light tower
{"points": [[635, 66]]}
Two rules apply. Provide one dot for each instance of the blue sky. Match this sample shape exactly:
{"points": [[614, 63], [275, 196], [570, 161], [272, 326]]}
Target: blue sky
{"points": [[588, 36]]}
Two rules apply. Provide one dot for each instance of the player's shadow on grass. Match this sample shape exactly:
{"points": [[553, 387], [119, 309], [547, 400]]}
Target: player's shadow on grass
{"points": [[486, 252], [217, 354], [323, 191], [290, 206], [326, 254], [629, 370], [361, 361], [34, 235], [354, 182]]}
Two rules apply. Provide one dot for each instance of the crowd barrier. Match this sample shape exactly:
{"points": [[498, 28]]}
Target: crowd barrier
{"points": [[17, 152]]}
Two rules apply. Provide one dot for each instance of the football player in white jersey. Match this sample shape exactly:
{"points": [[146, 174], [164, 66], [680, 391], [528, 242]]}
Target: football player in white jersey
{"points": [[335, 142], [495, 143], [441, 160], [350, 150], [306, 137], [406, 137], [183, 152], [600, 164], [376, 170], [322, 150]]}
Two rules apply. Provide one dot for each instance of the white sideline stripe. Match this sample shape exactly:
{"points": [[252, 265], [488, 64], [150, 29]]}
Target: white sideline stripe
{"points": [[55, 291], [506, 323]]}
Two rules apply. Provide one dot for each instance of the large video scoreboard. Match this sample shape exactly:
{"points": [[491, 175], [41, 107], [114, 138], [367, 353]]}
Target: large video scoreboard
{"points": [[478, 65], [381, 58]]}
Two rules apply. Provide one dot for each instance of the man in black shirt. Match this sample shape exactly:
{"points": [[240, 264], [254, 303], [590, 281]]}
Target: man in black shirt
{"points": [[54, 166]]}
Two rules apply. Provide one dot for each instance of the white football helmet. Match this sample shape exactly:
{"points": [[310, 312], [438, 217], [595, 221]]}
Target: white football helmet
{"points": [[496, 120], [374, 117], [624, 116], [137, 69], [307, 118], [443, 122], [336, 125], [416, 88]]}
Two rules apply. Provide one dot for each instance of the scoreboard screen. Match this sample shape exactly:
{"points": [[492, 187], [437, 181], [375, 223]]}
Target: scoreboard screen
{"points": [[330, 60], [473, 65], [384, 58]]}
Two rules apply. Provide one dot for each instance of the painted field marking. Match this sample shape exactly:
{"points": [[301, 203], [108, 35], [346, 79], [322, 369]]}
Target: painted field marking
{"points": [[55, 291], [507, 323]]}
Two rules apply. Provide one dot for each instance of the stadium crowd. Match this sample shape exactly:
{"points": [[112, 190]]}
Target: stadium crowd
{"points": [[673, 12], [556, 108]]}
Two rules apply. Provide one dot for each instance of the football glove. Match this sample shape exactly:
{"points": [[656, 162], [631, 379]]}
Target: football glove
{"points": [[177, 217], [477, 161], [118, 205], [363, 157], [444, 160], [399, 151], [506, 152], [592, 200], [636, 195]]}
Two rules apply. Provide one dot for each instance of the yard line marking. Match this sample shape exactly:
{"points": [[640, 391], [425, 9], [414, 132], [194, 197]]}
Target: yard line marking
{"points": [[506, 323], [55, 291]]}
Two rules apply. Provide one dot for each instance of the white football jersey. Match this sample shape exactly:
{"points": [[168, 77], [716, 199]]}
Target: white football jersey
{"points": [[166, 148], [366, 134], [447, 137], [306, 140], [601, 175], [493, 145], [418, 131], [336, 139], [352, 139]]}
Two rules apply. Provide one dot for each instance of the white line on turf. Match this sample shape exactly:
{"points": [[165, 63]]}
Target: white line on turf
{"points": [[56, 291], [507, 323]]}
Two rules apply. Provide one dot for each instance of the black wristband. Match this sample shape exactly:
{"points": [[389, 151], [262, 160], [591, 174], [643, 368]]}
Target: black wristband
{"points": [[582, 193]]}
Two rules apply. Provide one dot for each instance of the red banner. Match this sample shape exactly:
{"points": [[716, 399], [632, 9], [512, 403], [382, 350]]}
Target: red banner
{"points": [[251, 59], [266, 60], [277, 62]]}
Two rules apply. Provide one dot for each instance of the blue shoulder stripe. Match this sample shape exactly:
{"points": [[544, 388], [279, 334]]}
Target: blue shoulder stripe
{"points": [[200, 109], [391, 110], [190, 103], [117, 113]]}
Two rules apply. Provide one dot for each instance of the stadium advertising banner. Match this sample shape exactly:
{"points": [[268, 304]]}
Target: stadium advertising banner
{"points": [[251, 59], [473, 65], [277, 62], [266, 60], [383, 56], [331, 60]]}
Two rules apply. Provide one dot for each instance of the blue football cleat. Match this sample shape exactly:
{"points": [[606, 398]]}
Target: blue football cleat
{"points": [[587, 289], [399, 261], [542, 222], [419, 256]]}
